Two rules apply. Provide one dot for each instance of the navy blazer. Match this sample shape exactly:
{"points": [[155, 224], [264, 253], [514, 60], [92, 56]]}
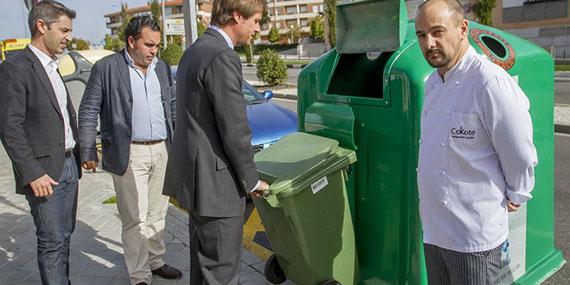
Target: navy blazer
{"points": [[108, 95]]}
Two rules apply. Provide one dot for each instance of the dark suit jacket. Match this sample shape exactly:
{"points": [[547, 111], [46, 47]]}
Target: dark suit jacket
{"points": [[108, 95], [210, 167], [31, 123]]}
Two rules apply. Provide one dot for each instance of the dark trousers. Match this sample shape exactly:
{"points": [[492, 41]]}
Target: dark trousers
{"points": [[54, 218], [215, 250], [446, 266]]}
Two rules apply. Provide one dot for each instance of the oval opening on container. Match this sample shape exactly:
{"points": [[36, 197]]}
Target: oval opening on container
{"points": [[495, 46]]}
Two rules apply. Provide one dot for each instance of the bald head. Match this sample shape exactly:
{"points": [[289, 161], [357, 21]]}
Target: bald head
{"points": [[451, 9], [441, 29]]}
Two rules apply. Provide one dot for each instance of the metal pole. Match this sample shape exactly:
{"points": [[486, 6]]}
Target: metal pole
{"points": [[191, 31], [164, 25]]}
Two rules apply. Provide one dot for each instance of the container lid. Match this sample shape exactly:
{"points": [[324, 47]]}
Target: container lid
{"points": [[298, 160], [371, 25], [293, 155]]}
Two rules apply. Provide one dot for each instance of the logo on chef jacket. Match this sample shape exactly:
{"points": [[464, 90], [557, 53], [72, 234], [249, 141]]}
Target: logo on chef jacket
{"points": [[461, 133]]}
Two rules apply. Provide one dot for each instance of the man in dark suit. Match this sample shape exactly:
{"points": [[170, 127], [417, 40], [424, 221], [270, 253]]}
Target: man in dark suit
{"points": [[211, 166], [131, 92], [39, 132]]}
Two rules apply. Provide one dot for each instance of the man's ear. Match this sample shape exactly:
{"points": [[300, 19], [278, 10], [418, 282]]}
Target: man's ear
{"points": [[237, 17], [464, 27], [41, 26], [131, 42]]}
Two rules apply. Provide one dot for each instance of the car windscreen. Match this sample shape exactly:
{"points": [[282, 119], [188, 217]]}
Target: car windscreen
{"points": [[251, 95]]}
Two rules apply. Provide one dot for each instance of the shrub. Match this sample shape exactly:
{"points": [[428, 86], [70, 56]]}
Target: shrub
{"points": [[172, 54], [271, 68]]}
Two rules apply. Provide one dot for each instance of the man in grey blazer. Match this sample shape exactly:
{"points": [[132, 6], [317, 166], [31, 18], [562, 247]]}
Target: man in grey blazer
{"points": [[131, 92], [211, 168], [39, 131]]}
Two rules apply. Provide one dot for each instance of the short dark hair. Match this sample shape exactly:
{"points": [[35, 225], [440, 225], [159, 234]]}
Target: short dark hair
{"points": [[137, 24], [222, 10], [49, 11]]}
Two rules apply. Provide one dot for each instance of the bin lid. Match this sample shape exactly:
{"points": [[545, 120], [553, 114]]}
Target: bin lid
{"points": [[298, 160], [370, 25], [293, 155]]}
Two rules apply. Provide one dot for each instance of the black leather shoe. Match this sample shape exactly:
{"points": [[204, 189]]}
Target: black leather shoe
{"points": [[142, 283], [168, 272]]}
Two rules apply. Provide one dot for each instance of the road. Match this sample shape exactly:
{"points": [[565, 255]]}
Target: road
{"points": [[562, 195]]}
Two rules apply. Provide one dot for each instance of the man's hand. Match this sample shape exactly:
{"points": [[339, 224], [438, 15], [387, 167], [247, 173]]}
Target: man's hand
{"points": [[42, 186], [90, 165], [512, 207], [258, 193]]}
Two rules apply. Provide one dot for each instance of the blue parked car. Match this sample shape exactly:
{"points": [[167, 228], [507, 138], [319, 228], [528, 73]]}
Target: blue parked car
{"points": [[268, 121]]}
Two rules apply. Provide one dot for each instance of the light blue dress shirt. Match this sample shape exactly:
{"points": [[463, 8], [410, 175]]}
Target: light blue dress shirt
{"points": [[148, 119]]}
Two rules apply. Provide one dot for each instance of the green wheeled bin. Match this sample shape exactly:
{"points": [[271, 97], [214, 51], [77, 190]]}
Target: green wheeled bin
{"points": [[305, 211]]}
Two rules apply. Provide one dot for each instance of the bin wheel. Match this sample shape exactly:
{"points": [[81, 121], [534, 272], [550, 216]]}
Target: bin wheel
{"points": [[273, 271], [331, 282]]}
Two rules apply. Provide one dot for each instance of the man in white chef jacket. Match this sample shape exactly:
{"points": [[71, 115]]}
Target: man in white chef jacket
{"points": [[476, 159]]}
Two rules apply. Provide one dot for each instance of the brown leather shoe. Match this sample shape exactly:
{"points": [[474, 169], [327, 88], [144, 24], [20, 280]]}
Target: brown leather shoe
{"points": [[168, 272]]}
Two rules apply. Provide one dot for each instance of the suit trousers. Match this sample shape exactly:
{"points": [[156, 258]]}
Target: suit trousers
{"points": [[54, 218], [447, 267], [142, 209], [215, 249]]}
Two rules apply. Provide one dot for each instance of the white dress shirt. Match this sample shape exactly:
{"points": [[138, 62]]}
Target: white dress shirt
{"points": [[50, 65], [476, 153]]}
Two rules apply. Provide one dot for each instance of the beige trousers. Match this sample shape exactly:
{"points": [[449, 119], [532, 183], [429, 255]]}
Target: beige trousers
{"points": [[142, 209]]}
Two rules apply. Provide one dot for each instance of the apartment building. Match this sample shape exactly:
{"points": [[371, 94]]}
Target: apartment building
{"points": [[286, 14], [544, 22], [173, 10]]}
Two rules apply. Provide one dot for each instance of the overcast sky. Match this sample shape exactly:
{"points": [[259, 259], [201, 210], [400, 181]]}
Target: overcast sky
{"points": [[89, 23]]}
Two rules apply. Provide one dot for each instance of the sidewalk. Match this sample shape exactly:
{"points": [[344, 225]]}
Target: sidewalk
{"points": [[96, 251]]}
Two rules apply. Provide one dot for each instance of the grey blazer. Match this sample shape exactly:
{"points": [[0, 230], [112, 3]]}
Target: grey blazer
{"points": [[31, 123], [108, 95], [210, 167]]}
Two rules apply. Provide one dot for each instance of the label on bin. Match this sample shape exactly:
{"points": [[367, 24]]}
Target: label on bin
{"points": [[319, 185]]}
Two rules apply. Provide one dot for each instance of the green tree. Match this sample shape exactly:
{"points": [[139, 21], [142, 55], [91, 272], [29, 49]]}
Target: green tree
{"points": [[172, 54], [78, 44], [273, 35], [155, 11], [330, 12], [125, 18], [113, 43], [484, 11], [317, 28], [294, 34], [271, 68], [201, 28]]}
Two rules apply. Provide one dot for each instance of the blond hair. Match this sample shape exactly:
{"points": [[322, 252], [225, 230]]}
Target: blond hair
{"points": [[222, 10]]}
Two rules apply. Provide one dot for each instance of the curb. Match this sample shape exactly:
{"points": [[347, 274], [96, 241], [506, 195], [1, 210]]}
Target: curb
{"points": [[564, 129]]}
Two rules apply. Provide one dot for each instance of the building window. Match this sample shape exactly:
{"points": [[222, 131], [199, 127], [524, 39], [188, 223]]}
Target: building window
{"points": [[291, 10], [302, 8], [291, 23], [304, 22]]}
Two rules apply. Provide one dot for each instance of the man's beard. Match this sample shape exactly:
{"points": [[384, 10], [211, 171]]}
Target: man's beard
{"points": [[444, 58]]}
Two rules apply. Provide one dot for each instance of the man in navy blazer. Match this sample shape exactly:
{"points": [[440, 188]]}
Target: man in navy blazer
{"points": [[131, 93], [39, 131], [211, 166]]}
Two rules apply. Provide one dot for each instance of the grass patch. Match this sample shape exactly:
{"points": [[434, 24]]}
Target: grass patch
{"points": [[562, 67], [297, 61], [111, 200]]}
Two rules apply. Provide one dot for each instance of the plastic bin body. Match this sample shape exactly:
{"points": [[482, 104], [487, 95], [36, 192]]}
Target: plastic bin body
{"points": [[309, 224], [371, 103]]}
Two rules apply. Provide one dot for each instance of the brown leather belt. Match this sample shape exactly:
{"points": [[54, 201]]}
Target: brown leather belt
{"points": [[147, 142]]}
